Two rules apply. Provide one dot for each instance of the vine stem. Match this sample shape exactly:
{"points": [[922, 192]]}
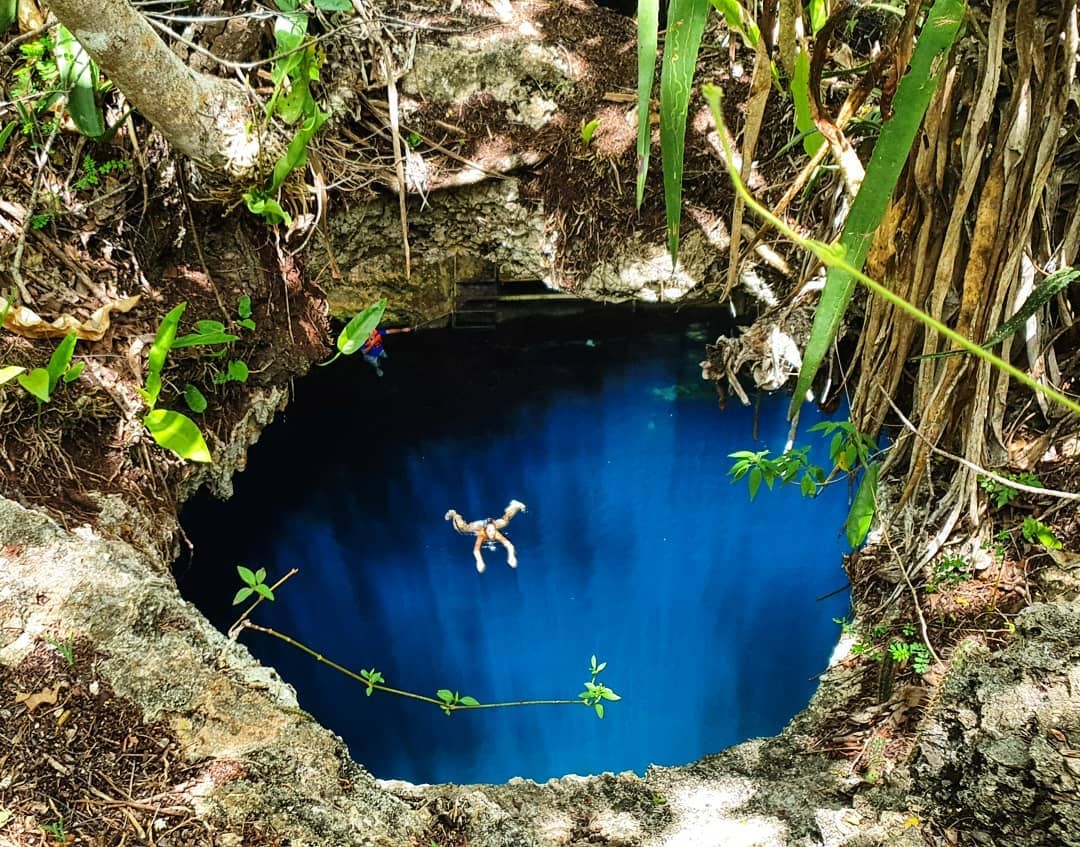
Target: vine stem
{"points": [[244, 623], [234, 630], [831, 256]]}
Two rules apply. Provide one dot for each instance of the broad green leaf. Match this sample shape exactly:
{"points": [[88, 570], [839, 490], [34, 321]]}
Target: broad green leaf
{"points": [[9, 373], [686, 24], [356, 331], [260, 575], [195, 399], [242, 595], [608, 694], [599, 710], [238, 371], [243, 308], [73, 373], [246, 323], [264, 591], [1043, 293], [469, 701], [159, 350], [79, 75], [800, 96], [247, 575], [334, 5], [178, 433], [890, 153], [755, 482], [209, 326], [60, 359], [445, 694], [260, 203], [861, 515], [289, 30], [648, 15], [36, 383], [819, 13]]}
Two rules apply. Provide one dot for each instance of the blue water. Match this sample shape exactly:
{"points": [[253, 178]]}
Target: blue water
{"points": [[635, 547]]}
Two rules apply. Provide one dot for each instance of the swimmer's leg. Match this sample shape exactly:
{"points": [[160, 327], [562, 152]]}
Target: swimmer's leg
{"points": [[477, 554], [511, 510], [459, 521], [511, 556]]}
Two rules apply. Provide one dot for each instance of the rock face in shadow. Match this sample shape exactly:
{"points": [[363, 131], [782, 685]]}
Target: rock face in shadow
{"points": [[1001, 744]]}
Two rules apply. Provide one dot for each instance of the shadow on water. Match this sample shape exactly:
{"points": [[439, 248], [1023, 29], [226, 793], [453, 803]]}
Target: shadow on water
{"points": [[635, 547]]}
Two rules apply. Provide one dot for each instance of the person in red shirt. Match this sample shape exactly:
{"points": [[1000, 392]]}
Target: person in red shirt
{"points": [[487, 532]]}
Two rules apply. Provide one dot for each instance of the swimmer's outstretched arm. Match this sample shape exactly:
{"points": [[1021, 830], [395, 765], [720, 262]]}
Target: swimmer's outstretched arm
{"points": [[511, 510]]}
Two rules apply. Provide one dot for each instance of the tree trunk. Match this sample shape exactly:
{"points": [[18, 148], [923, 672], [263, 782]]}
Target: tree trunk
{"points": [[203, 117]]}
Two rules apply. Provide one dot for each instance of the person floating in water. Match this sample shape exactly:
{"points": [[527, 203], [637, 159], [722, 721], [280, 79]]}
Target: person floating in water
{"points": [[487, 532], [372, 349]]}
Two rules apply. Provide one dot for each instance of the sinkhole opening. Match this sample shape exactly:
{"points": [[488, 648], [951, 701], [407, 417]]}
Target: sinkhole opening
{"points": [[635, 547]]}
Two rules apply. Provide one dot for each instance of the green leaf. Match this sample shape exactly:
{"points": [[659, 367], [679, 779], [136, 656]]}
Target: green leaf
{"points": [[861, 515], [159, 350], [890, 154], [9, 373], [207, 327], [195, 399], [60, 359], [266, 207], [247, 575], [246, 323], [356, 331], [445, 694], [1043, 293], [260, 575], [73, 373], [264, 591], [755, 482], [79, 75], [6, 132], [686, 24], [469, 701], [648, 14], [178, 433], [599, 710], [819, 13], [296, 153], [243, 308], [800, 96], [238, 371], [588, 130], [36, 383], [334, 5], [241, 596], [608, 694]]}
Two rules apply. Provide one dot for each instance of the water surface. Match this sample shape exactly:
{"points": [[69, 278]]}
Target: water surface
{"points": [[635, 547]]}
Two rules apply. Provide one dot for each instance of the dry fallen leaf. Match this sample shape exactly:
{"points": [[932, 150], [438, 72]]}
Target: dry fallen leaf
{"points": [[27, 323], [32, 701]]}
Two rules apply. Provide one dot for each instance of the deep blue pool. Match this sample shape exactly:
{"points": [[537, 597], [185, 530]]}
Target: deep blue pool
{"points": [[635, 547]]}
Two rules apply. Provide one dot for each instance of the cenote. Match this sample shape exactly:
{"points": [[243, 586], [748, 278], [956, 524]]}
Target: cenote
{"points": [[635, 547]]}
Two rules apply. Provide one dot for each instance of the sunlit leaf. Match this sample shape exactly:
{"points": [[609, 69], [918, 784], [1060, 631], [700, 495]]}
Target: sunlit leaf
{"points": [[445, 694], [686, 24], [247, 575], [60, 359], [469, 701], [159, 350], [356, 331], [242, 595], [178, 433], [36, 383], [648, 24], [9, 373], [890, 153], [72, 373], [800, 96]]}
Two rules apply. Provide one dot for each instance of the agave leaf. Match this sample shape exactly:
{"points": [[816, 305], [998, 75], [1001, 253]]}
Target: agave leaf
{"points": [[648, 24], [686, 24], [1043, 294], [890, 153]]}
